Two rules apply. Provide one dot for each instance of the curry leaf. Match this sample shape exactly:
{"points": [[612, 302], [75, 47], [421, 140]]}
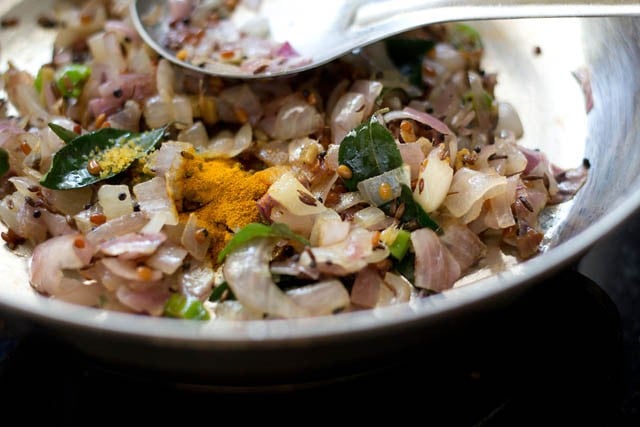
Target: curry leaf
{"points": [[407, 55], [63, 133], [69, 168], [368, 150], [254, 230], [4, 161], [219, 291]]}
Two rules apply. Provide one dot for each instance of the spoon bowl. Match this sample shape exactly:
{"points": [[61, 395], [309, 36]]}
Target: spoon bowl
{"points": [[324, 30]]}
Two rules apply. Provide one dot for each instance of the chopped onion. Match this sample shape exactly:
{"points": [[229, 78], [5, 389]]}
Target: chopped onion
{"points": [[348, 200], [246, 270], [294, 197], [196, 134], [328, 229], [371, 90], [153, 198], [508, 119], [195, 239], [197, 281], [117, 227], [322, 298], [347, 256], [434, 180], [369, 217], [132, 245], [296, 118], [346, 115], [168, 258], [435, 268], [395, 178], [227, 145], [463, 244], [470, 188], [419, 116], [400, 286], [367, 288], [151, 300], [115, 200], [130, 270], [50, 258]]}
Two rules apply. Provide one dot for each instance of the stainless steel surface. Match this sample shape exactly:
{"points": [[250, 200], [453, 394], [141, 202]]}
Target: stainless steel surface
{"points": [[552, 108], [325, 30]]}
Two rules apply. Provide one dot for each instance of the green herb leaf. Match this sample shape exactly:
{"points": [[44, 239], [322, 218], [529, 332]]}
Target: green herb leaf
{"points": [[63, 133], [4, 161], [181, 307], [69, 167], [407, 55], [368, 150], [254, 230], [413, 212], [219, 290], [71, 78]]}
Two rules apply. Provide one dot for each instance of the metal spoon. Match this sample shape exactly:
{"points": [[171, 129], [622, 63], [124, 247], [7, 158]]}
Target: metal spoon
{"points": [[324, 30]]}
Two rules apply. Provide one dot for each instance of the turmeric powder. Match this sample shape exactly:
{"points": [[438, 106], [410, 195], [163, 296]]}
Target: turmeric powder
{"points": [[224, 195]]}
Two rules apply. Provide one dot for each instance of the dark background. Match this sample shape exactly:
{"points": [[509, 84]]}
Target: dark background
{"points": [[566, 353]]}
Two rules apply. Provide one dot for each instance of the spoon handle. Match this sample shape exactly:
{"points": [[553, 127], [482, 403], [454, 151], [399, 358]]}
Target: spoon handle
{"points": [[384, 18]]}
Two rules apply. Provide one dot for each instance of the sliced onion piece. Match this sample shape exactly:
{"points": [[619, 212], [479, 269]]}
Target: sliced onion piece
{"points": [[117, 227], [152, 196], [234, 310], [371, 188], [435, 268], [369, 217], [470, 188], [132, 245], [151, 300], [346, 115], [197, 281], [130, 270], [328, 229], [294, 197], [195, 239], [349, 200], [246, 270], [168, 258], [400, 286], [419, 116], [227, 145], [322, 298], [50, 258], [434, 180], [508, 119], [347, 256], [367, 288], [115, 200]]}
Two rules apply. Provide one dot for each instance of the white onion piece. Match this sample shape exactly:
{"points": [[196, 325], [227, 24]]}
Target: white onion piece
{"points": [[419, 116], [400, 286], [132, 245], [128, 269], [115, 200], [470, 188], [294, 196], [117, 227], [328, 229], [347, 256], [463, 244], [370, 89], [157, 111], [296, 118], [68, 202], [56, 224], [434, 180], [346, 115], [165, 78], [246, 270], [50, 258], [153, 198], [367, 288], [331, 158], [369, 217], [197, 281], [395, 178], [195, 134], [435, 268], [151, 300], [499, 214], [412, 154], [128, 118], [182, 111], [322, 298], [168, 157], [9, 208], [168, 258], [194, 239], [83, 294], [227, 145], [508, 119], [241, 98]]}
